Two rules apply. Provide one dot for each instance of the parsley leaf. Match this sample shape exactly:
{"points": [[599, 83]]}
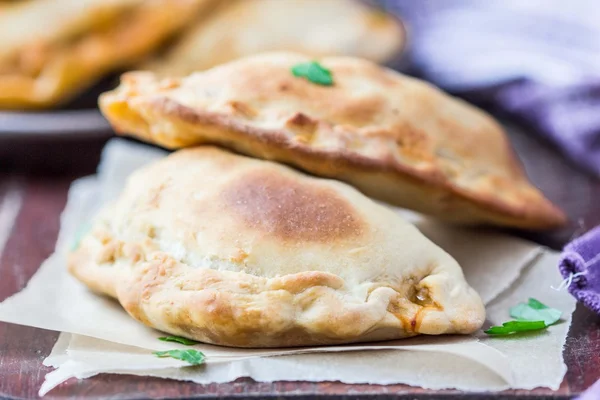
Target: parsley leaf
{"points": [[178, 339], [511, 327], [530, 316], [313, 72], [535, 311], [194, 357]]}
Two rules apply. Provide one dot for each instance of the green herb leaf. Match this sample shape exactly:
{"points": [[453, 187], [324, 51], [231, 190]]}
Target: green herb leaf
{"points": [[538, 305], [535, 311], [530, 316], [511, 327], [81, 232], [178, 339], [314, 72], [194, 357]]}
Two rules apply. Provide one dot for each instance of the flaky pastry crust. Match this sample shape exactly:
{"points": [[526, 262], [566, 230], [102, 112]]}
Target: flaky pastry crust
{"points": [[235, 251]]}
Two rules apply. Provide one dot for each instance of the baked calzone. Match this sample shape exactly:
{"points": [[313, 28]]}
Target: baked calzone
{"points": [[236, 251], [395, 138], [53, 49], [239, 28]]}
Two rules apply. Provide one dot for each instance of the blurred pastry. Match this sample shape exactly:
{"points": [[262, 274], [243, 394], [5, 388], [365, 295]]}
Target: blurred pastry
{"points": [[241, 28], [241, 252], [53, 49], [395, 138]]}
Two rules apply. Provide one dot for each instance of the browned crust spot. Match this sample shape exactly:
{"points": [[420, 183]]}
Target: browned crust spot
{"points": [[291, 210]]}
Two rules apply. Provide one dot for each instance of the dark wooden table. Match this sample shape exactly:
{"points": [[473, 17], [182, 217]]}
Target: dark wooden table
{"points": [[35, 178]]}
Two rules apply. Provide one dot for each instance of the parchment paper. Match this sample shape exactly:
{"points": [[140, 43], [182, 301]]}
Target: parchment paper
{"points": [[430, 369], [113, 342]]}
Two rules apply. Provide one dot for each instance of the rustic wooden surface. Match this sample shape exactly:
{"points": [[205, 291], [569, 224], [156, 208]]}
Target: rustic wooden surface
{"points": [[33, 188]]}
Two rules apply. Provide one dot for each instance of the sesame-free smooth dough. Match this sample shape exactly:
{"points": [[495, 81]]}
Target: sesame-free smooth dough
{"points": [[235, 251], [393, 137]]}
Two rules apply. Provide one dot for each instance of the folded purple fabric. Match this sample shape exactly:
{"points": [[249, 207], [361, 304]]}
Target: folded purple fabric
{"points": [[580, 266], [538, 61]]}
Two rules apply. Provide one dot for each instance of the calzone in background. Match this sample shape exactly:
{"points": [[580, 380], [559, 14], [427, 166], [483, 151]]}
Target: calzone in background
{"points": [[53, 50], [239, 28]]}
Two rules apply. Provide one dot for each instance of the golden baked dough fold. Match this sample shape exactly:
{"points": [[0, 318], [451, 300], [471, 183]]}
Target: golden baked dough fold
{"points": [[393, 137], [236, 251]]}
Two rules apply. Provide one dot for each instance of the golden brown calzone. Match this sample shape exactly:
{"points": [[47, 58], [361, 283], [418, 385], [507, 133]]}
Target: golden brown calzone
{"points": [[395, 138], [236, 251], [53, 49]]}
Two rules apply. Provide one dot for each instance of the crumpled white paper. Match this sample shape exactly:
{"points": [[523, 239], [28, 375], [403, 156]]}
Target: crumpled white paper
{"points": [[101, 337]]}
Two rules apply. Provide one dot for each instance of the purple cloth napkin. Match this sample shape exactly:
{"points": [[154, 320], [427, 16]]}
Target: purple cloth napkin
{"points": [[580, 266], [538, 61]]}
